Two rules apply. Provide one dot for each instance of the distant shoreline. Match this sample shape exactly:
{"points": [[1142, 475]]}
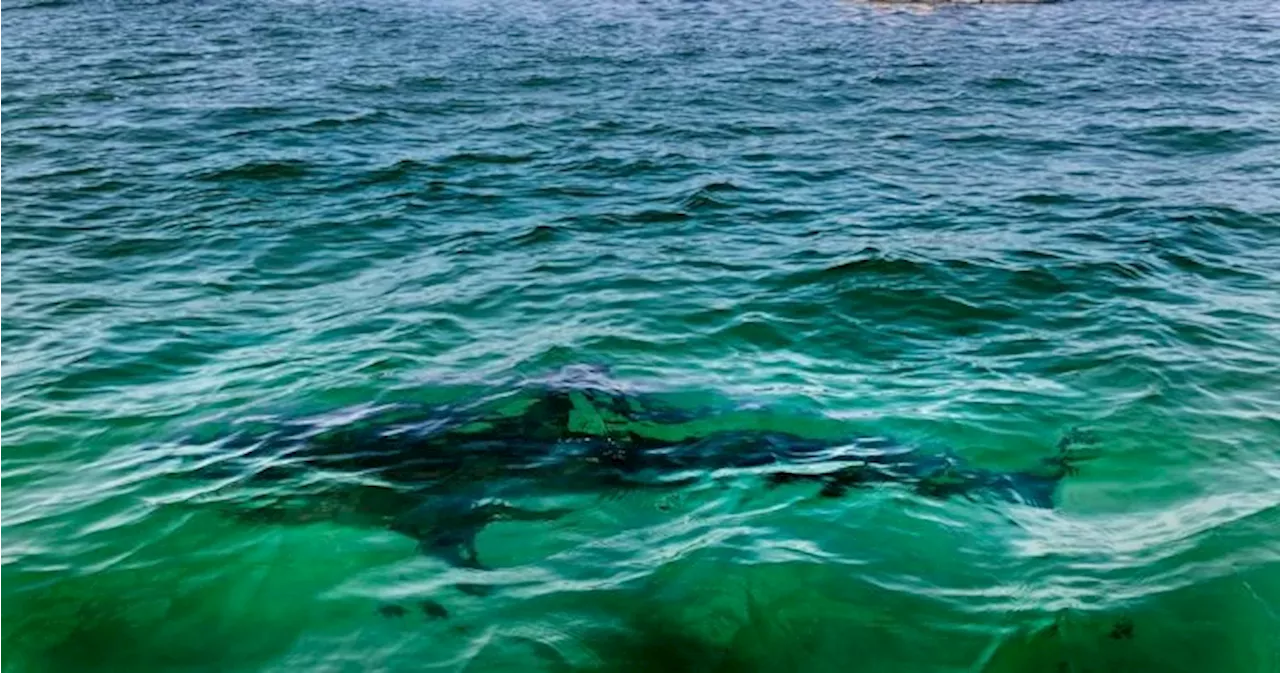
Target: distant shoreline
{"points": [[961, 2]]}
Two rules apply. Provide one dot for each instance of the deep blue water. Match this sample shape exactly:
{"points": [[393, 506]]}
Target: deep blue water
{"points": [[971, 228]]}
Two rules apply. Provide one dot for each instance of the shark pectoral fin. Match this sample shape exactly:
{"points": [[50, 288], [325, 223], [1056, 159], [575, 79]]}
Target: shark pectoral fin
{"points": [[454, 545], [1066, 463], [1076, 446], [461, 554], [444, 528], [1071, 457], [470, 557], [1077, 436], [449, 531]]}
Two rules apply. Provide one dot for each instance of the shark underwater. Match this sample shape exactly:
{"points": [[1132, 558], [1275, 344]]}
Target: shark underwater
{"points": [[440, 474]]}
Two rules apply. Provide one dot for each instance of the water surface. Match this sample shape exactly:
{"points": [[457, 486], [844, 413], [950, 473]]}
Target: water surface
{"points": [[972, 228]]}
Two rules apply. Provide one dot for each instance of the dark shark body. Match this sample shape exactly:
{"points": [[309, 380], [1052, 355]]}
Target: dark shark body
{"points": [[439, 475]]}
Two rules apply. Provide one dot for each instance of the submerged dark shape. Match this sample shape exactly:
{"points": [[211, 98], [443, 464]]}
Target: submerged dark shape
{"points": [[441, 474], [433, 609], [392, 611], [1123, 630]]}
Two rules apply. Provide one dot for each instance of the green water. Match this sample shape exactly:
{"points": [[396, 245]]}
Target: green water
{"points": [[970, 229]]}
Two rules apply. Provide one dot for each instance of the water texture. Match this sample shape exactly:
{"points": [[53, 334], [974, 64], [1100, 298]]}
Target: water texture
{"points": [[971, 229]]}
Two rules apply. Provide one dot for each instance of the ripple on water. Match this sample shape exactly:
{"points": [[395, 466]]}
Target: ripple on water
{"points": [[970, 228]]}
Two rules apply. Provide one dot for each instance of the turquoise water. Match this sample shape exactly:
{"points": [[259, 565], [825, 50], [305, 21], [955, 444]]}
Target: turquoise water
{"points": [[970, 229]]}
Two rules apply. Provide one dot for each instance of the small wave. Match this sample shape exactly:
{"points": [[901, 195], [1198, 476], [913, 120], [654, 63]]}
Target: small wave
{"points": [[74, 306], [58, 174], [425, 83], [626, 167], [1046, 199], [43, 4], [870, 263], [537, 235], [247, 114], [708, 197], [1208, 266], [1005, 83], [356, 120], [649, 216], [572, 191], [116, 369], [1011, 140], [542, 81], [485, 158], [899, 79], [1228, 218], [401, 170], [258, 171], [1183, 139], [758, 331], [116, 247]]}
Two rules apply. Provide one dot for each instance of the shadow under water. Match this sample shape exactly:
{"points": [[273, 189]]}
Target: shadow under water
{"points": [[440, 474]]}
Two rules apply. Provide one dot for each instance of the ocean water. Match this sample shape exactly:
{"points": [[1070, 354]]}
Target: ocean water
{"points": [[970, 229]]}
